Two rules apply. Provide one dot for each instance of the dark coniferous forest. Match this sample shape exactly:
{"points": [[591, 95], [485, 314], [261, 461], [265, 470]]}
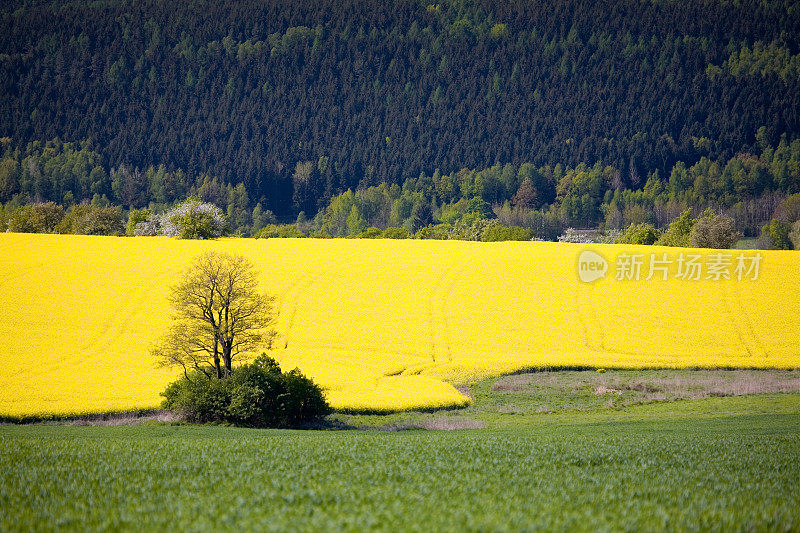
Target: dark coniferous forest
{"points": [[301, 100]]}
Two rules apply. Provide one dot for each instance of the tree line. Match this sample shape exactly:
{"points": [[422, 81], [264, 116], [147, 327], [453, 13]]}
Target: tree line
{"points": [[65, 188], [300, 101]]}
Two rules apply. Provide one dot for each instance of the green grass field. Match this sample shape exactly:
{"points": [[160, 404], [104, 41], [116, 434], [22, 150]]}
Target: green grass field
{"points": [[586, 396], [714, 463]]}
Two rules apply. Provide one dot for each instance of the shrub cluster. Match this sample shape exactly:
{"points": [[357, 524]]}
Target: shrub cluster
{"points": [[467, 229], [254, 395], [49, 217], [794, 235], [643, 233], [86, 219], [679, 232], [498, 232], [783, 231], [776, 236], [709, 230], [35, 218], [478, 229], [284, 231]]}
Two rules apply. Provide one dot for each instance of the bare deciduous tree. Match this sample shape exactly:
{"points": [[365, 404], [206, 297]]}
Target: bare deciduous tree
{"points": [[219, 316]]}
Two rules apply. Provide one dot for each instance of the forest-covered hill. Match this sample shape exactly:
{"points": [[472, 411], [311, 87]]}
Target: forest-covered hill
{"points": [[300, 100]]}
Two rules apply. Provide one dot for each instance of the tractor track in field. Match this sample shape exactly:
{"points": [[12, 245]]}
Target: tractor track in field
{"points": [[301, 286], [438, 320], [740, 320], [586, 310]]}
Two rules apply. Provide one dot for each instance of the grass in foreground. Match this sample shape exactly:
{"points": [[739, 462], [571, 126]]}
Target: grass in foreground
{"points": [[717, 463], [732, 473]]}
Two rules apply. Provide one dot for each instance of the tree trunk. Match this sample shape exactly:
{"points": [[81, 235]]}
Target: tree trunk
{"points": [[216, 360], [226, 356]]}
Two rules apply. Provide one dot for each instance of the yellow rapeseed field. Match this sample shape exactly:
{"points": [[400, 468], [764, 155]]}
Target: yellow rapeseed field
{"points": [[388, 324]]}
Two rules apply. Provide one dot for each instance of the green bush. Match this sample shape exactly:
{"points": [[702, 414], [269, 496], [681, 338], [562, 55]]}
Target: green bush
{"points": [[199, 398], [258, 395], [302, 402], [471, 230], [475, 229], [794, 235], [255, 395], [245, 404], [775, 235], [35, 218], [679, 231], [370, 233], [714, 231], [136, 216], [643, 233], [396, 233], [497, 232], [434, 231], [282, 231], [86, 219]]}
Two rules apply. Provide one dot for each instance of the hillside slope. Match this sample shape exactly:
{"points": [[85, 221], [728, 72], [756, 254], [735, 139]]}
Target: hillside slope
{"points": [[369, 91], [379, 323]]}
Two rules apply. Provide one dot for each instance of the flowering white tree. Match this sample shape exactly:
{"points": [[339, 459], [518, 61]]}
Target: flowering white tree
{"points": [[191, 219], [149, 227]]}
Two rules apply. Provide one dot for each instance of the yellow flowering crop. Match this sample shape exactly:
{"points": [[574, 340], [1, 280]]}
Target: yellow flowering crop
{"points": [[383, 324]]}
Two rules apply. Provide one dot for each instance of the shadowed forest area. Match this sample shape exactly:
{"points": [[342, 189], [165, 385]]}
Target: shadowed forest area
{"points": [[552, 114]]}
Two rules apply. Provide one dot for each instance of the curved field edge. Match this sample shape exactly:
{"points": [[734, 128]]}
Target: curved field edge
{"points": [[382, 325]]}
